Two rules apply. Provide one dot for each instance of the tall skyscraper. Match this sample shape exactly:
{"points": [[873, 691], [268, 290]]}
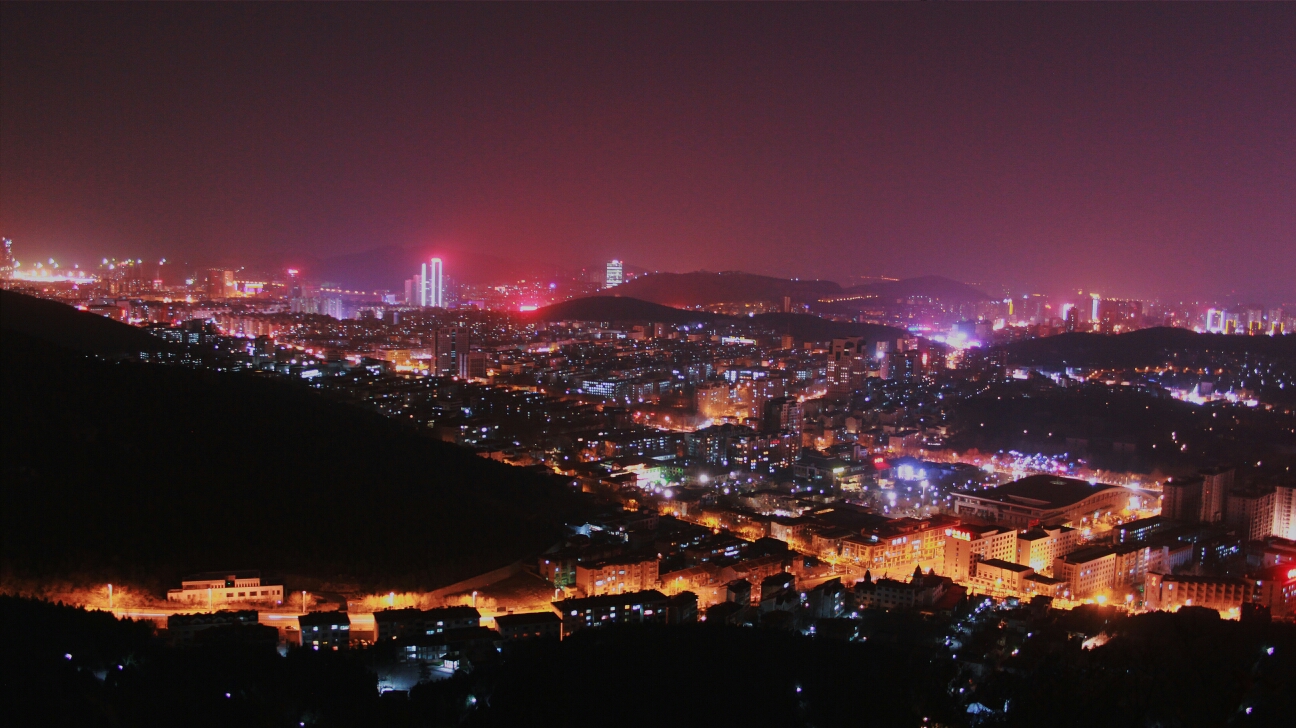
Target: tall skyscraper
{"points": [[1181, 500], [6, 259], [433, 288], [1216, 483], [615, 274], [1285, 512], [449, 345]]}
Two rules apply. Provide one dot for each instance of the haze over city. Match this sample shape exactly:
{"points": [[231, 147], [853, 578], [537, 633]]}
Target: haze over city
{"points": [[1137, 150]]}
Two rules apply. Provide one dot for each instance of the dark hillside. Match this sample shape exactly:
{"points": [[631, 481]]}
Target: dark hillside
{"points": [[149, 472], [804, 327], [801, 327], [700, 288], [934, 287], [618, 308], [1147, 347], [60, 324]]}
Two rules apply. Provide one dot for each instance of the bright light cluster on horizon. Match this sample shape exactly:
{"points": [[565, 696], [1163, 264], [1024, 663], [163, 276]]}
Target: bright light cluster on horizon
{"points": [[51, 273]]}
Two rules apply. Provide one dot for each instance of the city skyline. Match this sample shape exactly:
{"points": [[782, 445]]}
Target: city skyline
{"points": [[1043, 147]]}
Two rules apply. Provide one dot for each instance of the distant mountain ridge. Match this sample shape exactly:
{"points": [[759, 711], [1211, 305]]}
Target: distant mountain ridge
{"points": [[802, 327], [701, 288], [618, 308], [935, 287]]}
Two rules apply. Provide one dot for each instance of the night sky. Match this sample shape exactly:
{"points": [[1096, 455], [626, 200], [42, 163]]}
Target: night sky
{"points": [[1136, 150]]}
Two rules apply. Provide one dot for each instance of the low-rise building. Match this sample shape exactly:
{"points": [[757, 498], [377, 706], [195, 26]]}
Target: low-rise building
{"points": [[966, 544], [1090, 572], [1275, 588], [997, 575], [183, 627], [642, 607], [616, 576], [216, 589], [1170, 592], [1038, 547], [390, 624], [325, 630], [923, 591], [532, 625]]}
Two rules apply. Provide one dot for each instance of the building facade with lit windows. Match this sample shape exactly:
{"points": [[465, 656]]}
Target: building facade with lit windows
{"points": [[535, 625], [214, 589], [645, 607], [1251, 512], [1275, 588], [1284, 525], [894, 546], [325, 630], [1169, 592], [997, 575], [390, 624], [1038, 548], [965, 545], [1041, 500], [616, 576], [1088, 572]]}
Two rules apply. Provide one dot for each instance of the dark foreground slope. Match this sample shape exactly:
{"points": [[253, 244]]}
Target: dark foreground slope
{"points": [[1185, 669], [1144, 348], [147, 472], [60, 324]]}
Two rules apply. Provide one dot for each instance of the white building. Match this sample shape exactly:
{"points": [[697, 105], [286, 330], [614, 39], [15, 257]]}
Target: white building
{"points": [[432, 290], [218, 590]]}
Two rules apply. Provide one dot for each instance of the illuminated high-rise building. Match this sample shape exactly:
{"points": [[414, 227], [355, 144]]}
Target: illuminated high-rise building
{"points": [[1284, 521], [6, 259], [220, 283], [449, 345], [432, 290], [615, 274], [1071, 316]]}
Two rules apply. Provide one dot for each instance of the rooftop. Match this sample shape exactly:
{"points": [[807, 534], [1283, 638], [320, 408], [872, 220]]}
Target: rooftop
{"points": [[1085, 555], [1043, 491], [212, 575], [319, 619], [1006, 565], [610, 600], [506, 621]]}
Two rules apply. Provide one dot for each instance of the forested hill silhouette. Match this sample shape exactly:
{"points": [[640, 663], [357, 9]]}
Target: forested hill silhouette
{"points": [[623, 309], [700, 288], [937, 288], [147, 472], [60, 324], [1147, 347], [619, 308]]}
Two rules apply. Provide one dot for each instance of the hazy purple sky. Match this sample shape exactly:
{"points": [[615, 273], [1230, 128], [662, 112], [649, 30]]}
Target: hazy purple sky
{"points": [[1132, 149]]}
